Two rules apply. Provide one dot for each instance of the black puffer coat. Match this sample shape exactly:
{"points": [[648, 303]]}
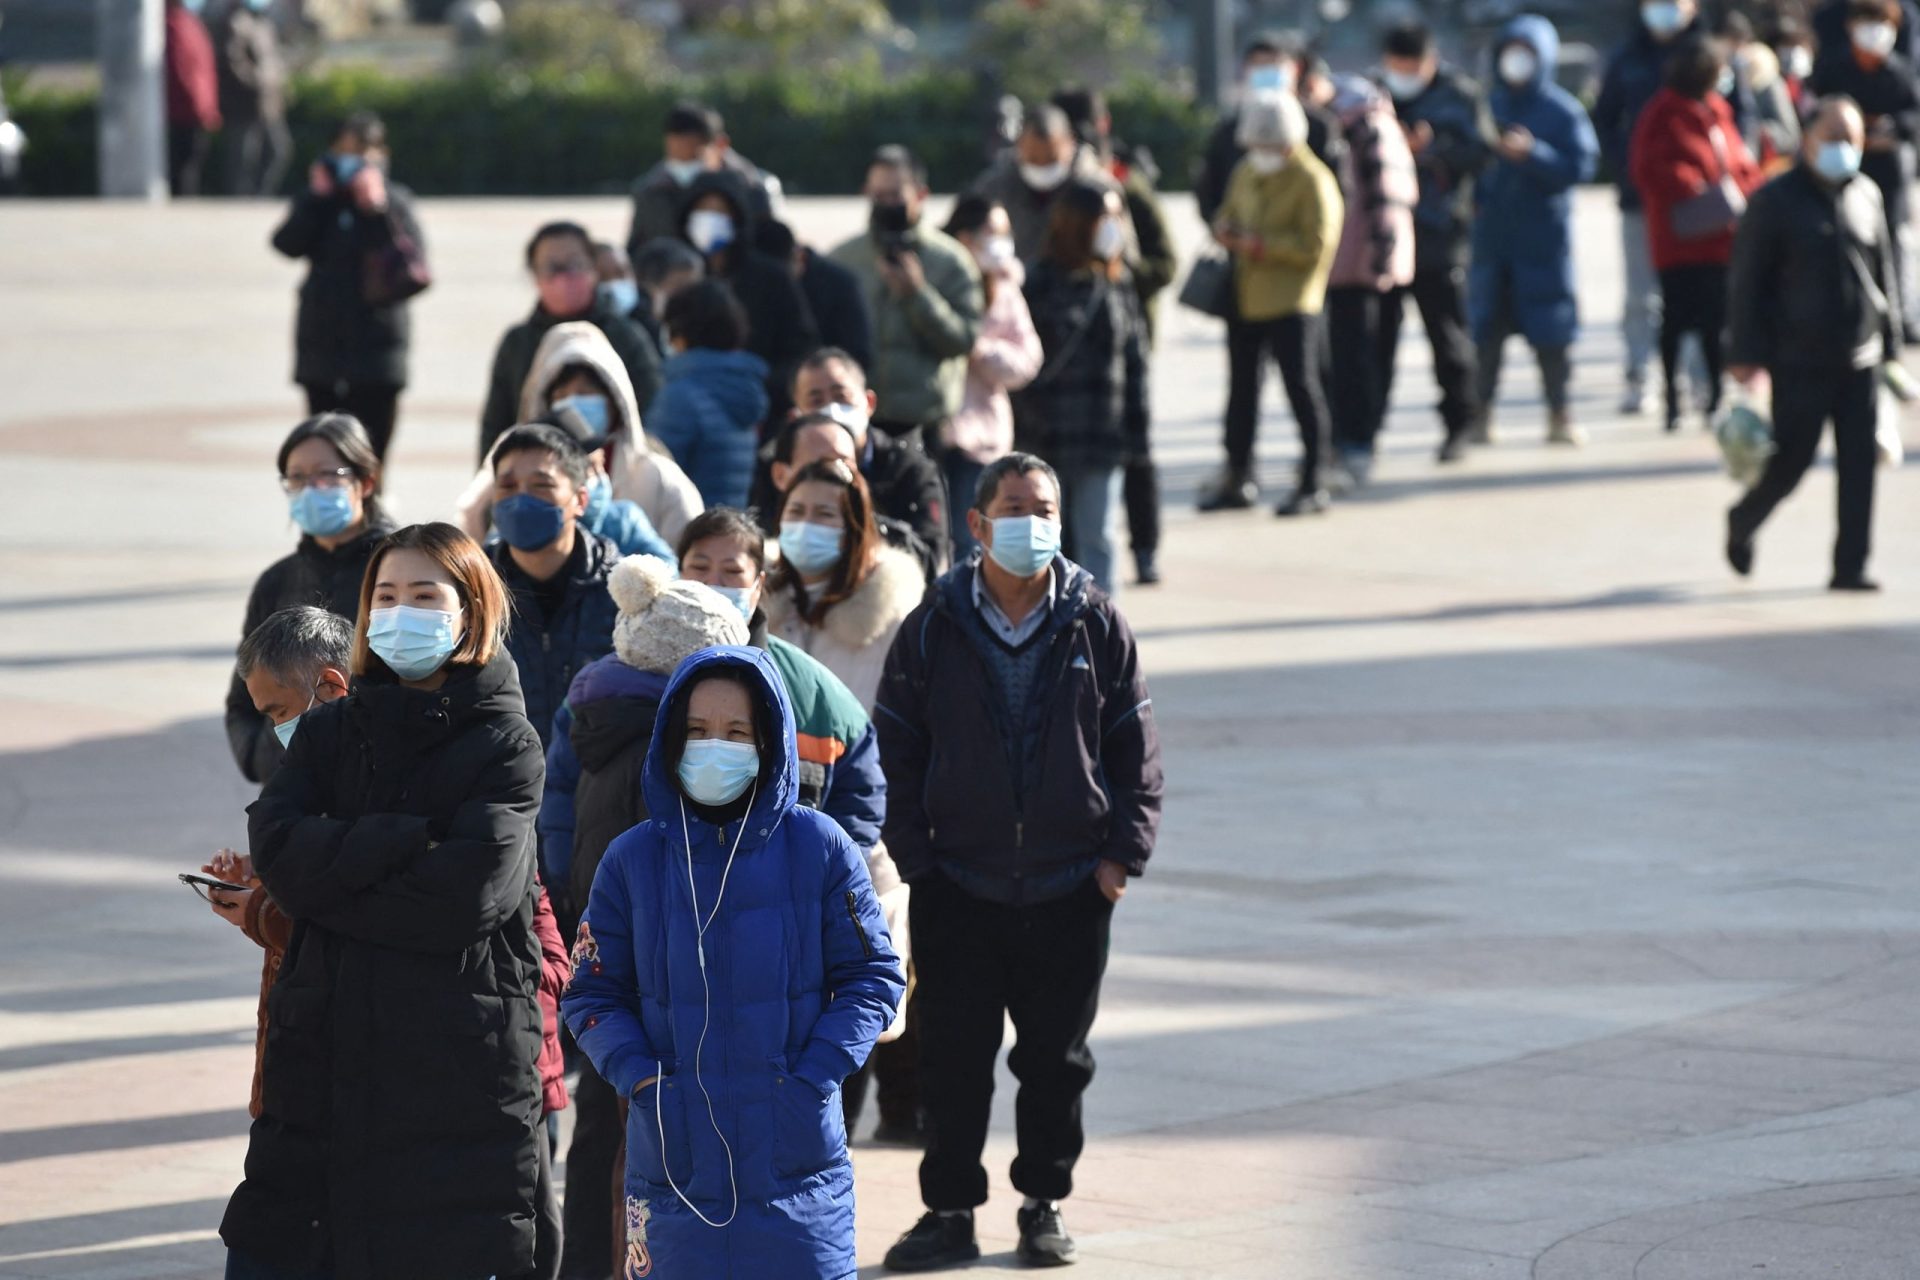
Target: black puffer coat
{"points": [[340, 337], [401, 1100]]}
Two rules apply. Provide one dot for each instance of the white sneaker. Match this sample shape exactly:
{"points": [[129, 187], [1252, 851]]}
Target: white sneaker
{"points": [[1561, 429], [1633, 401]]}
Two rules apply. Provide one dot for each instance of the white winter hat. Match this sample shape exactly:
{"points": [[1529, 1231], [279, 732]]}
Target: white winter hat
{"points": [[1272, 120], [664, 619]]}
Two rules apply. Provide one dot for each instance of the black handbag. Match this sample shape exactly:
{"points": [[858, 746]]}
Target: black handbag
{"points": [[1209, 288], [396, 270], [1714, 211]]}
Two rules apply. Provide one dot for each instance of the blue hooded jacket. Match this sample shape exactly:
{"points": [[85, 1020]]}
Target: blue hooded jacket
{"points": [[799, 981], [1523, 227], [708, 414]]}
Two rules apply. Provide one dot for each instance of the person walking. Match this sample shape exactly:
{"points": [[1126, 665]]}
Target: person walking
{"points": [[708, 413], [1521, 280], [192, 80], [331, 476], [1451, 134], [1024, 786], [1005, 358], [1088, 408], [1810, 307], [731, 1054], [350, 353], [1687, 148], [1636, 72], [253, 99], [403, 1031], [1281, 220]]}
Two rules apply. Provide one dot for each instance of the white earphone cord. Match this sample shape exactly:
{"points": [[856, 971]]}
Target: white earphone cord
{"points": [[706, 1017]]}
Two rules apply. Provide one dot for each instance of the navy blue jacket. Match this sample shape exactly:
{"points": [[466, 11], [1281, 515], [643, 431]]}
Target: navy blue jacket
{"points": [[708, 415], [956, 798], [747, 1033], [549, 650], [1636, 71], [1456, 110]]}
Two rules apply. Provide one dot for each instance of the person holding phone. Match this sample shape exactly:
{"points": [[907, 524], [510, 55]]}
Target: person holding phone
{"points": [[399, 1133]]}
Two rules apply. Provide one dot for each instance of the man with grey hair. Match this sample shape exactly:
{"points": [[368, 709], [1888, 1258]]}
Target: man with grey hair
{"points": [[1027, 180], [1281, 220], [295, 660]]}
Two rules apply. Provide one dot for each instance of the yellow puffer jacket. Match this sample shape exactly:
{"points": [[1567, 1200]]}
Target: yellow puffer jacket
{"points": [[1297, 213]]}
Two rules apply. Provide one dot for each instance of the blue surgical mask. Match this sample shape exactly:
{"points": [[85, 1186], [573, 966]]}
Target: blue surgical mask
{"points": [[322, 511], [193, 6], [346, 167], [259, 6], [1024, 545], [595, 411], [414, 643], [620, 296], [683, 172], [1837, 162], [740, 598], [284, 732], [1727, 83], [714, 771], [1270, 79], [811, 548], [527, 523], [599, 498], [1662, 17]]}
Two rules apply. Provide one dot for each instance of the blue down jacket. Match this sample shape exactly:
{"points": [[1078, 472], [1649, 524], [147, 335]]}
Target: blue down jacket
{"points": [[1523, 228], [803, 978]]}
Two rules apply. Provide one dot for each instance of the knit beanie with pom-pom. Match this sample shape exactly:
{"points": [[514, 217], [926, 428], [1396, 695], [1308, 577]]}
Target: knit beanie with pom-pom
{"points": [[664, 620]]}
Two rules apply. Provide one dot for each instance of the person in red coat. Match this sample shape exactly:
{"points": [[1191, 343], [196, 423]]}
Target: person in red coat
{"points": [[1686, 145], [193, 96]]}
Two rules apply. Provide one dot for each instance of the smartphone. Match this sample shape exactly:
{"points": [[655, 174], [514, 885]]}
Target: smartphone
{"points": [[201, 884]]}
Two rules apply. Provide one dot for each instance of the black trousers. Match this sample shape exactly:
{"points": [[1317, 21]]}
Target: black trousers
{"points": [[187, 149], [258, 151], [1693, 300], [375, 406], [1803, 401], [1441, 295], [978, 964], [589, 1215], [1294, 342], [1141, 487], [1357, 390]]}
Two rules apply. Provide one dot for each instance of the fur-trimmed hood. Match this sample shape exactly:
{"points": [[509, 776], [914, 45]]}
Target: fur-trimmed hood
{"points": [[874, 610]]}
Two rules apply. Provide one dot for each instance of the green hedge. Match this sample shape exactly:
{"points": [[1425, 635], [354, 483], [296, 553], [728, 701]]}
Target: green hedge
{"points": [[479, 133]]}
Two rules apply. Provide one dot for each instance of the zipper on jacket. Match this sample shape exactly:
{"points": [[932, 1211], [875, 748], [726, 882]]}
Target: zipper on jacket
{"points": [[853, 914]]}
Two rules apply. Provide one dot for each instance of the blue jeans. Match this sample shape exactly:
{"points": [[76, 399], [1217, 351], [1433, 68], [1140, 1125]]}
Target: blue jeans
{"points": [[1089, 500]]}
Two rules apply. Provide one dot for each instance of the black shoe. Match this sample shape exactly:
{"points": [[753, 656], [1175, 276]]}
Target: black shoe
{"points": [[891, 1133], [1859, 583], [1044, 1241], [1453, 448], [1146, 571], [936, 1241], [1673, 421], [1739, 548], [1232, 492], [1304, 502]]}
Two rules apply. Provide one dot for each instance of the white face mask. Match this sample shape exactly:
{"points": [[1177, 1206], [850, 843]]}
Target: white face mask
{"points": [[1044, 177], [709, 229], [1267, 162], [852, 417], [1405, 85], [1109, 238], [683, 172], [996, 251], [1798, 62], [1518, 66], [1876, 38]]}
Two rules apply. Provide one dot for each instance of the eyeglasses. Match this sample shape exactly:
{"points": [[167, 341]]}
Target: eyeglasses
{"points": [[554, 270], [317, 479]]}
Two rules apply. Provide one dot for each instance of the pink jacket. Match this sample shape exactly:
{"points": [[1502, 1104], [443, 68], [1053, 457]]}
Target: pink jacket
{"points": [[1006, 357], [1376, 242]]}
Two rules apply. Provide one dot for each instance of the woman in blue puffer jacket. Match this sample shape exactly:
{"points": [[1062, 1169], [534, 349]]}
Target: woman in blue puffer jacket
{"points": [[732, 968]]}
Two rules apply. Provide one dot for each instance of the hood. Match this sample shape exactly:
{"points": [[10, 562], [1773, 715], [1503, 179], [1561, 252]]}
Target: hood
{"points": [[774, 800], [1539, 35], [728, 186], [737, 379], [581, 342], [893, 590], [614, 706]]}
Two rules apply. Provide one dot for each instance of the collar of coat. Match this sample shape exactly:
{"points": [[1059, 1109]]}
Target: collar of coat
{"points": [[877, 605]]}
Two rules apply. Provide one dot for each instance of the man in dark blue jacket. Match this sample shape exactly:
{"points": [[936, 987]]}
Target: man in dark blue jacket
{"points": [[1023, 776], [556, 571]]}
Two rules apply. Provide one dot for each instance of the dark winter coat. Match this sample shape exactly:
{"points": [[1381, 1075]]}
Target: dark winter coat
{"points": [[1813, 269], [311, 575], [839, 307], [253, 75], [784, 999], [958, 799], [1675, 158], [909, 494], [1088, 405], [513, 361], [549, 650], [1888, 92], [1523, 220], [708, 415], [1463, 134], [339, 336], [401, 1102], [1635, 73]]}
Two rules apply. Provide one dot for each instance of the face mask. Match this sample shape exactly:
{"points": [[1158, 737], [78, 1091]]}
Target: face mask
{"points": [[709, 230], [259, 6], [284, 732], [599, 498], [997, 251], [1798, 62], [528, 523], [1662, 18], [811, 548], [323, 512], [683, 172], [346, 167], [1044, 177], [620, 296], [740, 598], [889, 218], [1267, 162], [414, 643], [567, 295], [1108, 239], [1024, 545], [714, 771], [1405, 85], [595, 411], [192, 6], [1518, 65], [1876, 38], [1727, 83], [1837, 162], [850, 416], [1270, 79]]}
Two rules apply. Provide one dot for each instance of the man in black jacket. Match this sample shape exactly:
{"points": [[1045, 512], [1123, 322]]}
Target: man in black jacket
{"points": [[1808, 304], [556, 571], [833, 293], [1023, 780]]}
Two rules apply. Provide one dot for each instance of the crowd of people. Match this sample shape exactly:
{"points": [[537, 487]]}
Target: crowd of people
{"points": [[779, 615]]}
